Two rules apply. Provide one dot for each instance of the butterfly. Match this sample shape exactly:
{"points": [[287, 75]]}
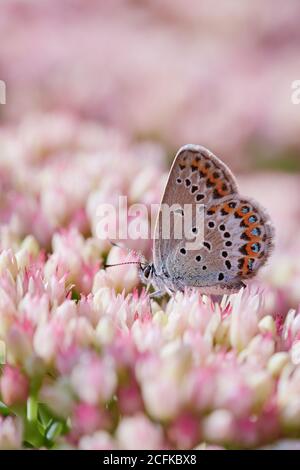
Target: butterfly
{"points": [[238, 233]]}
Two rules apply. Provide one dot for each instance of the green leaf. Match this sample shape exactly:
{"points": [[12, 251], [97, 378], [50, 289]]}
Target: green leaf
{"points": [[4, 410], [44, 415], [32, 435]]}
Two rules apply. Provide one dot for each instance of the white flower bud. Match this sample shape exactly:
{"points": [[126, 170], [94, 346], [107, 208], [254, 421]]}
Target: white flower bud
{"points": [[277, 362]]}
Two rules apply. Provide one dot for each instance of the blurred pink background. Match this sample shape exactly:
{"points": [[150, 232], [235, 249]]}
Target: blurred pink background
{"points": [[217, 73]]}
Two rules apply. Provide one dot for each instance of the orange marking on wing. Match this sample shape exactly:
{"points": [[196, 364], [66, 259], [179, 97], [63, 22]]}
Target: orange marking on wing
{"points": [[246, 218], [200, 166], [222, 188], [227, 208], [253, 238], [210, 176], [240, 213], [245, 268], [249, 250], [213, 209]]}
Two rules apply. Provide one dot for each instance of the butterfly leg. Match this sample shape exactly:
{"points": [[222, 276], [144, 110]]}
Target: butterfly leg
{"points": [[153, 295], [148, 288], [156, 294]]}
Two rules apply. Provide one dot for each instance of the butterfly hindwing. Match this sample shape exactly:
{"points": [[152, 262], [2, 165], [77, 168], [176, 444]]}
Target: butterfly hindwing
{"points": [[237, 242]]}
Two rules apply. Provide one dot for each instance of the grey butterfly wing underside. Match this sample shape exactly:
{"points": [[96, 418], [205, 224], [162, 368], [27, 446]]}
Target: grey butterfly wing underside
{"points": [[198, 177]]}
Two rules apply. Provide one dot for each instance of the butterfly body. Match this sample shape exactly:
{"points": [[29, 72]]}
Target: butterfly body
{"points": [[237, 232]]}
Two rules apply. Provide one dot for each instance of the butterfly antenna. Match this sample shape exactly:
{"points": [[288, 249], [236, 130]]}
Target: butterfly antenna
{"points": [[121, 264]]}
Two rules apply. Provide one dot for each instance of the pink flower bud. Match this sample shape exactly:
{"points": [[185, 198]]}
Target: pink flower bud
{"points": [[14, 386], [11, 432], [88, 418], [129, 398], [8, 263], [139, 433], [184, 433], [123, 276], [101, 440], [218, 427], [94, 379]]}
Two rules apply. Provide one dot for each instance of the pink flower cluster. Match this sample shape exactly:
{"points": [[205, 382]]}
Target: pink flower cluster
{"points": [[88, 363], [109, 371], [55, 171]]}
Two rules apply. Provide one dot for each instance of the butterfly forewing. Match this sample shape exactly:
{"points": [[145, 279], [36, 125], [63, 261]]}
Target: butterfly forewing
{"points": [[197, 177]]}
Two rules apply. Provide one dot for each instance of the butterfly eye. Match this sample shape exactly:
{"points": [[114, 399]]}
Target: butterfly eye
{"points": [[147, 271]]}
